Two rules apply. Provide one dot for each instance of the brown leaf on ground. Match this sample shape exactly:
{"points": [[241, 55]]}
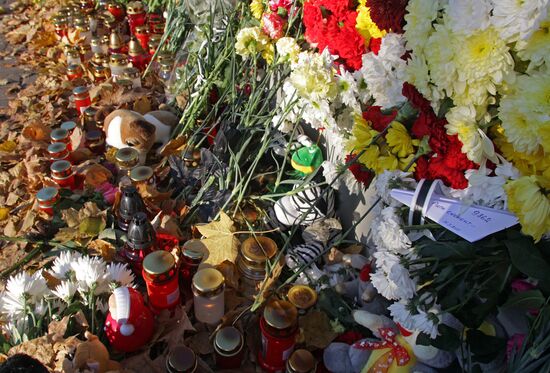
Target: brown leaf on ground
{"points": [[316, 329], [36, 132], [266, 286], [102, 248], [142, 105], [174, 146], [97, 175], [230, 273], [200, 343]]}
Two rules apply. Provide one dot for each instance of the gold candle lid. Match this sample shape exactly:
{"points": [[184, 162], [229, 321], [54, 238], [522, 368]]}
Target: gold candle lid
{"points": [[158, 262], [115, 41], [99, 71], [155, 38], [59, 134], [228, 341], [193, 249], [141, 29], [46, 194], [60, 166], [99, 59], [141, 173], [280, 314], [135, 48], [105, 39], [73, 68], [73, 53], [135, 7], [302, 296], [131, 73], [118, 59], [80, 92], [165, 57], [84, 48], [127, 157], [208, 281], [258, 249], [181, 359], [302, 361], [90, 112]]}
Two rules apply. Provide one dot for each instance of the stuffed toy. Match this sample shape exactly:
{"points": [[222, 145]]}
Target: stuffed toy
{"points": [[92, 355], [126, 128]]}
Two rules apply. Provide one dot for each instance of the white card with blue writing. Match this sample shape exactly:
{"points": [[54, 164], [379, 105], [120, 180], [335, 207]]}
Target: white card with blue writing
{"points": [[470, 222]]}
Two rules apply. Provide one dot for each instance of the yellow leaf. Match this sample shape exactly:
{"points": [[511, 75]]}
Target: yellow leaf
{"points": [[221, 243], [267, 284], [142, 105], [4, 213], [317, 330], [97, 175], [8, 146], [103, 248], [174, 146]]}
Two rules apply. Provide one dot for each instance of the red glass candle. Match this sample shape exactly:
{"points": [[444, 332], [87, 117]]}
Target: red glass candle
{"points": [[142, 36], [136, 15], [74, 72], [116, 10], [47, 197], [161, 277], [192, 254], [62, 174], [61, 135], [58, 152], [137, 56], [61, 28], [181, 359], [279, 328], [228, 348], [82, 99], [154, 19], [69, 126]]}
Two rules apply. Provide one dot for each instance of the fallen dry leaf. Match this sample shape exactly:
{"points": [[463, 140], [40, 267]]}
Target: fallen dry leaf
{"points": [[102, 248], [230, 273], [37, 132], [316, 329], [220, 240], [174, 146], [267, 284], [142, 105], [96, 175]]}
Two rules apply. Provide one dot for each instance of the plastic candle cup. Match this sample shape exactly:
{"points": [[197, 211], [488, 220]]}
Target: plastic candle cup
{"points": [[61, 135], [161, 277], [63, 174], [181, 359], [81, 99], [253, 255], [301, 361], [47, 197], [228, 347]]}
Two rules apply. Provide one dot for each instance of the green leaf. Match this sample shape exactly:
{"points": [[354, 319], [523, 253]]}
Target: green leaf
{"points": [[485, 348], [447, 340], [92, 226], [527, 258], [447, 250], [532, 299]]}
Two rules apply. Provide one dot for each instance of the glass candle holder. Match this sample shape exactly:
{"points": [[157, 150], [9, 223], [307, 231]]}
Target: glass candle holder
{"points": [[115, 43], [95, 141], [81, 98], [279, 328], [85, 51], [137, 55], [116, 10], [69, 126], [228, 348], [154, 19], [61, 28], [98, 46], [90, 122], [161, 277], [61, 135], [47, 197], [58, 151], [208, 295], [181, 359], [253, 255], [142, 36], [100, 59], [152, 45], [132, 73], [136, 15], [126, 159], [73, 57], [101, 73], [302, 297], [301, 361], [192, 254], [140, 238], [117, 63], [74, 72], [62, 174], [142, 175]]}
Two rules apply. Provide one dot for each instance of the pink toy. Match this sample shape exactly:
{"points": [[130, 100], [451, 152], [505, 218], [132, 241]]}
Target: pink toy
{"points": [[129, 324]]}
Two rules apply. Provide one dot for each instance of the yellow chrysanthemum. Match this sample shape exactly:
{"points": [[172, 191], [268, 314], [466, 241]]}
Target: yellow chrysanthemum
{"points": [[370, 157], [269, 53], [399, 140], [363, 134], [365, 25], [528, 199], [257, 8], [250, 41]]}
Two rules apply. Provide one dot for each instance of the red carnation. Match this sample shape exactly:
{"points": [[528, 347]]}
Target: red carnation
{"points": [[377, 119], [375, 44], [416, 98], [274, 5], [388, 15], [361, 173], [273, 25]]}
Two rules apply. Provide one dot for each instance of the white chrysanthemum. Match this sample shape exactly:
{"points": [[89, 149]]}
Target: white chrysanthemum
{"points": [[401, 312], [416, 319], [287, 49], [348, 89], [65, 291], [517, 20], [395, 284], [23, 290], [384, 73], [318, 114], [91, 274], [120, 275], [346, 180], [61, 268], [468, 16], [388, 235], [536, 49], [418, 27], [475, 143], [507, 170], [417, 73], [483, 189]]}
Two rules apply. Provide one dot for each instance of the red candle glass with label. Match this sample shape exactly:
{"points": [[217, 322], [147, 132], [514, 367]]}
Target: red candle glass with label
{"points": [[61, 135], [228, 346], [116, 10], [279, 328], [58, 152], [62, 174], [142, 36], [74, 71], [82, 99], [47, 197], [161, 277], [192, 254], [136, 15]]}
